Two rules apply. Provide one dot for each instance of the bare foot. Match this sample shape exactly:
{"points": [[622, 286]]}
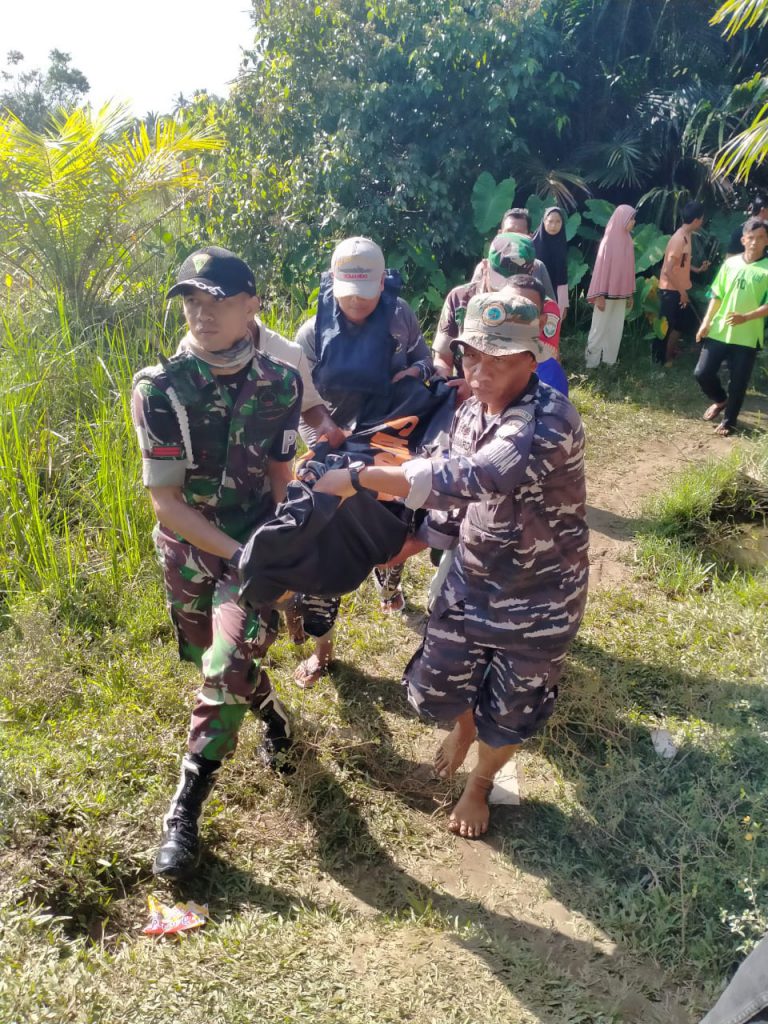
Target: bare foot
{"points": [[452, 752], [714, 410], [471, 814]]}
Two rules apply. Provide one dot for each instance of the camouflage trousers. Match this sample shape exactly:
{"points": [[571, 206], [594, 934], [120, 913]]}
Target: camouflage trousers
{"points": [[512, 693], [388, 582], [226, 642]]}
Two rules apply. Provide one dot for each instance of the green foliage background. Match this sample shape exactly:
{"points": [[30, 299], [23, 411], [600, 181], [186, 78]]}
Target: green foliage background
{"points": [[417, 124], [379, 118]]}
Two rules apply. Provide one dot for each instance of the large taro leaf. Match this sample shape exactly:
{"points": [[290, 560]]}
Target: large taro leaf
{"points": [[577, 267], [646, 298], [650, 244], [572, 225], [599, 211], [535, 205], [490, 201]]}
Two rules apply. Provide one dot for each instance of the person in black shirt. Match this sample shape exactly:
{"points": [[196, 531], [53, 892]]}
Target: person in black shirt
{"points": [[757, 208]]}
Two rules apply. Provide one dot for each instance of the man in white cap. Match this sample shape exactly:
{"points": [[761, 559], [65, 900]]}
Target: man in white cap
{"points": [[364, 336], [364, 339]]}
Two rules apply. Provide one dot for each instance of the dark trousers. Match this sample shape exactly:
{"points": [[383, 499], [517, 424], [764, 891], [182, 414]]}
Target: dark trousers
{"points": [[740, 360], [679, 318]]}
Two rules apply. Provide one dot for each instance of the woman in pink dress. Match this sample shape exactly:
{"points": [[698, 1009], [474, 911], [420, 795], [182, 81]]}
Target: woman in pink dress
{"points": [[612, 288]]}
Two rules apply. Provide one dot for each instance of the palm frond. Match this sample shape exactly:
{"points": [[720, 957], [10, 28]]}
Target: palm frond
{"points": [[739, 15], [562, 185], [76, 199], [746, 149], [622, 161]]}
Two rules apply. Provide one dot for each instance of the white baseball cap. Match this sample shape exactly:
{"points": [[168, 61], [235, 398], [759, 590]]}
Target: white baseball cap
{"points": [[357, 266]]}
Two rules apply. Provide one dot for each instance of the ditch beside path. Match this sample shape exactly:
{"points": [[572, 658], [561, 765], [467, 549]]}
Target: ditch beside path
{"points": [[617, 489]]}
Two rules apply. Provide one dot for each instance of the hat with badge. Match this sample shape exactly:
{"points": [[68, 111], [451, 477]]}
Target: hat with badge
{"points": [[502, 323], [510, 253], [216, 271]]}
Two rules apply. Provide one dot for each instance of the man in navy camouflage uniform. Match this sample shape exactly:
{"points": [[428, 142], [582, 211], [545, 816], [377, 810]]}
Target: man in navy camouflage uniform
{"points": [[217, 428], [512, 483]]}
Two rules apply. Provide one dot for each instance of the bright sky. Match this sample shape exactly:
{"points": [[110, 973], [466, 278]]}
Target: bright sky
{"points": [[141, 51]]}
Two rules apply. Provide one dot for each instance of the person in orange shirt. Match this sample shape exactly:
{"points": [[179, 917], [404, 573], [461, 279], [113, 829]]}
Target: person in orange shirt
{"points": [[674, 284]]}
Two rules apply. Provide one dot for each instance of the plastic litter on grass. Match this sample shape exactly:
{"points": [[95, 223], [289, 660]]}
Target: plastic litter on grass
{"points": [[181, 917]]}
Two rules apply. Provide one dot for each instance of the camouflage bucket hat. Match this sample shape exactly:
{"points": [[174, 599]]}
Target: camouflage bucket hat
{"points": [[502, 323]]}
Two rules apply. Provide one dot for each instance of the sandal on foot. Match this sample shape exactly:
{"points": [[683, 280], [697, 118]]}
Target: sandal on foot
{"points": [[305, 676], [723, 430], [714, 411], [393, 605]]}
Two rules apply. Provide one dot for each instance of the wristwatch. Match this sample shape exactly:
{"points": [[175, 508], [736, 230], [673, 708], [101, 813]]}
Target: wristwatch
{"points": [[355, 469]]}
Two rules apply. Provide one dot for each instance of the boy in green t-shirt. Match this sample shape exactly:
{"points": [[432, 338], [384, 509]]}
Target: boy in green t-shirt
{"points": [[732, 328]]}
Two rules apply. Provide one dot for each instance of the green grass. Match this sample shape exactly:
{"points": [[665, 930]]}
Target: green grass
{"points": [[686, 543], [337, 895]]}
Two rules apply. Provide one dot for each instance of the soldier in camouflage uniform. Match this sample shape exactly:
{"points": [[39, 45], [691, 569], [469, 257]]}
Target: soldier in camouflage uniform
{"points": [[217, 430], [513, 598]]}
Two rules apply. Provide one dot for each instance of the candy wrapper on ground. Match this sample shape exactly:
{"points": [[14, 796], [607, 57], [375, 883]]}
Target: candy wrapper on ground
{"points": [[182, 917]]}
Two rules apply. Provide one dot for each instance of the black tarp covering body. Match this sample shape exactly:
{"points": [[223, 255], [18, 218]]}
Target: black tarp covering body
{"points": [[316, 544]]}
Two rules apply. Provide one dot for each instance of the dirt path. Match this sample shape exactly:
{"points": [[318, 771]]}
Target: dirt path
{"points": [[614, 980]]}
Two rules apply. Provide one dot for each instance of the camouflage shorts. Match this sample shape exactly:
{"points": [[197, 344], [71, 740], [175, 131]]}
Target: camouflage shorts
{"points": [[511, 692], [226, 642], [319, 614]]}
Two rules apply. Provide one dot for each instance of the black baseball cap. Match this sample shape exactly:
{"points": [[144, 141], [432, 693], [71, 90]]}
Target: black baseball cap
{"points": [[214, 270]]}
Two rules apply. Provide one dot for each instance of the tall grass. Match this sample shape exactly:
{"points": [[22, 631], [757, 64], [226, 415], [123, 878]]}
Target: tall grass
{"points": [[69, 489]]}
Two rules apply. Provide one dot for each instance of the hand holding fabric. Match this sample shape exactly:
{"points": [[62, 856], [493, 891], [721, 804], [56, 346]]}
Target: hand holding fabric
{"points": [[412, 371], [463, 390], [335, 481]]}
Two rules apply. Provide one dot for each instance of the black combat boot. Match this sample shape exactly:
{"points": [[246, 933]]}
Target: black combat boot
{"points": [[278, 739], [179, 853]]}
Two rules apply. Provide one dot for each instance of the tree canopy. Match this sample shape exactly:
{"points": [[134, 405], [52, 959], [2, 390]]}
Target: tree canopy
{"points": [[33, 95], [378, 116]]}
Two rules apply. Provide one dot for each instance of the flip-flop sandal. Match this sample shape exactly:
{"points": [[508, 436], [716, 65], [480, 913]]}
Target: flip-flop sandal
{"points": [[393, 605], [314, 676], [714, 411]]}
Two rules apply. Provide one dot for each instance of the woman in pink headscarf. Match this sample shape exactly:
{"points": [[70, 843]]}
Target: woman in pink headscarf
{"points": [[612, 288]]}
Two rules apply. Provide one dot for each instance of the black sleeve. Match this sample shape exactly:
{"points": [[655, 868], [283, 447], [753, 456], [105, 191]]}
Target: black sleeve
{"points": [[734, 242]]}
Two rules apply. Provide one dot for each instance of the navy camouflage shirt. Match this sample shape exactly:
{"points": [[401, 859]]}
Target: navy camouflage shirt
{"points": [[515, 483]]}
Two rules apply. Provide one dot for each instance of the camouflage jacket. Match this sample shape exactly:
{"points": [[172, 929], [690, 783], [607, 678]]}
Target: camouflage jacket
{"points": [[214, 436], [516, 482]]}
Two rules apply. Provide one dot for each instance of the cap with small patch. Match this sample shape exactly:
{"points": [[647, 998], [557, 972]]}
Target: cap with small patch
{"points": [[502, 323], [358, 267], [510, 253], [216, 271]]}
